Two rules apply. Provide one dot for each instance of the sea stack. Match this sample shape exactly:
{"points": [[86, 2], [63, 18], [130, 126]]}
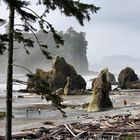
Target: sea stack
{"points": [[100, 96]]}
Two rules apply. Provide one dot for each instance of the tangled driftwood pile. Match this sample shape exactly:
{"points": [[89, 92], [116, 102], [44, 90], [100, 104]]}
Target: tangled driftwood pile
{"points": [[108, 128]]}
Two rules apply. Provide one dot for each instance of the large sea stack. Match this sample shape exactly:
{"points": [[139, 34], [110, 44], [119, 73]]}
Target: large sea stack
{"points": [[100, 96], [128, 79], [58, 75]]}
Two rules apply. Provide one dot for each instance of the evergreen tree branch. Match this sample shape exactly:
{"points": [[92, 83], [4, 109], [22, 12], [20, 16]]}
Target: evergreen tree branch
{"points": [[28, 42], [2, 47], [70, 8], [44, 89], [58, 39], [2, 22], [3, 40], [15, 65]]}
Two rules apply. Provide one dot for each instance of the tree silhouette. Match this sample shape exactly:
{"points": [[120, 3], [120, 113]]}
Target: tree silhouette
{"points": [[27, 16]]}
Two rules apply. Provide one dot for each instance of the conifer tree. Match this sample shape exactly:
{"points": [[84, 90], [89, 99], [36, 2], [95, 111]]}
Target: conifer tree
{"points": [[69, 8]]}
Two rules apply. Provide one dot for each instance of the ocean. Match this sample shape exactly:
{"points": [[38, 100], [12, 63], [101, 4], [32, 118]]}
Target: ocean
{"points": [[34, 119], [28, 99], [15, 86], [23, 77], [33, 103]]}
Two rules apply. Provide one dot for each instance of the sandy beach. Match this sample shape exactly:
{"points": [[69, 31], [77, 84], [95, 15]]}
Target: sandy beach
{"points": [[33, 118]]}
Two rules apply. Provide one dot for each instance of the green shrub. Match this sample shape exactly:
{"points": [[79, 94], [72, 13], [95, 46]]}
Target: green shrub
{"points": [[128, 138], [2, 114]]}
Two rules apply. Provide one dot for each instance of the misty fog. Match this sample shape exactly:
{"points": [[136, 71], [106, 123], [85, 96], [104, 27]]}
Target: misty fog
{"points": [[114, 31]]}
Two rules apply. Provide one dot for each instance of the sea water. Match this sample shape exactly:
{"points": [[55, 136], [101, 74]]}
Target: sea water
{"points": [[33, 119], [22, 77], [16, 86], [28, 98]]}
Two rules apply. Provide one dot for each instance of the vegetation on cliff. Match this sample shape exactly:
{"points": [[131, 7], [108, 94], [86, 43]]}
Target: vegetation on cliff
{"points": [[74, 51]]}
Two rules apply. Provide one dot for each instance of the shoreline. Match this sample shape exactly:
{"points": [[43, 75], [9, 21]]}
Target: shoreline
{"points": [[115, 125], [74, 112]]}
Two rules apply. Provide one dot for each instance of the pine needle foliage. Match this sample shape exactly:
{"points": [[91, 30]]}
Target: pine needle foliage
{"points": [[80, 11], [3, 38], [69, 8], [2, 21], [42, 88]]}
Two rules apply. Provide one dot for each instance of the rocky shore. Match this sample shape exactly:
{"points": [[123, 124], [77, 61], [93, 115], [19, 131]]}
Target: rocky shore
{"points": [[96, 113], [51, 119], [110, 128]]}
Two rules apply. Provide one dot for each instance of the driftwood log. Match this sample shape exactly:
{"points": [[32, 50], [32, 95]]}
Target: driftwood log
{"points": [[109, 128]]}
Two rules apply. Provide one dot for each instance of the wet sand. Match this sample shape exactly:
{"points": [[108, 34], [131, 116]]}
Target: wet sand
{"points": [[33, 119]]}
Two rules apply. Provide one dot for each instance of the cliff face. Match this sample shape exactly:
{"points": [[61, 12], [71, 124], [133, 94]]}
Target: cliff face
{"points": [[74, 51]]}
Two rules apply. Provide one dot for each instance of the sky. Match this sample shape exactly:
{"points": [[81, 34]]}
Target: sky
{"points": [[114, 30]]}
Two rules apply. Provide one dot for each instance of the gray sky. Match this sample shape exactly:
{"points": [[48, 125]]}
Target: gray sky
{"points": [[114, 30]]}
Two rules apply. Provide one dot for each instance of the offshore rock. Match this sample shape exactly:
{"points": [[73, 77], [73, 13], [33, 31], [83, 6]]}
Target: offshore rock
{"points": [[110, 78], [128, 79], [59, 74], [100, 96]]}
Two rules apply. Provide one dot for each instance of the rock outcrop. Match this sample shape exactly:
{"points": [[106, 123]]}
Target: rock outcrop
{"points": [[100, 95], [74, 51], [110, 78], [58, 75], [128, 79]]}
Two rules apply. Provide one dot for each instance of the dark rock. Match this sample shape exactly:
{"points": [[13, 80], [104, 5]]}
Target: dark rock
{"points": [[128, 79], [20, 96], [110, 78], [23, 90], [57, 76], [2, 138], [48, 123], [40, 74], [80, 92], [115, 89], [133, 85], [38, 133], [100, 95]]}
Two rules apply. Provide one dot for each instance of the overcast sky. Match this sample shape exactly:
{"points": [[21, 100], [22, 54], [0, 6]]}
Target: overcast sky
{"points": [[114, 30]]}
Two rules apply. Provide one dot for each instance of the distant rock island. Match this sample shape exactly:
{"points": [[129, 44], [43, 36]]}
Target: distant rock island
{"points": [[120, 60], [116, 63], [74, 51]]}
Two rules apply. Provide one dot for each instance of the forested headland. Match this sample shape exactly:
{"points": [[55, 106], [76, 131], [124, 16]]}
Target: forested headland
{"points": [[74, 51]]}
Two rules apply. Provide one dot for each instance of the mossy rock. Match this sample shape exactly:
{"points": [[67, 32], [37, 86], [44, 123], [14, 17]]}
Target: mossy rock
{"points": [[100, 96], [2, 114]]}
